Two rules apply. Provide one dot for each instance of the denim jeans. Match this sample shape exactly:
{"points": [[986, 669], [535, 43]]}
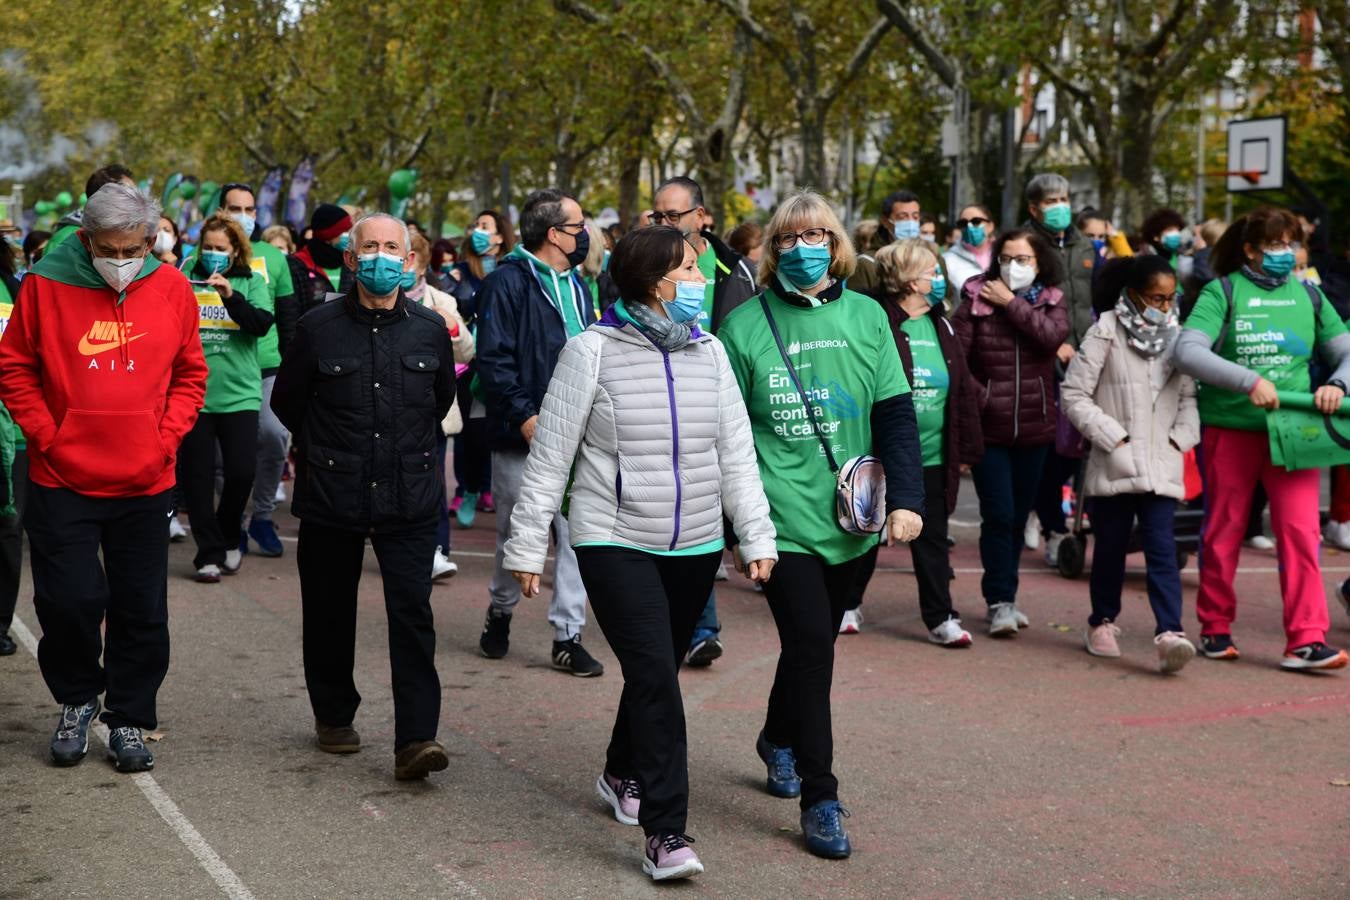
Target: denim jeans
{"points": [[1112, 519], [1006, 480]]}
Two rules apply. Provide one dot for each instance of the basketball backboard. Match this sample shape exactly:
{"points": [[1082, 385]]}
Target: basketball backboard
{"points": [[1256, 154]]}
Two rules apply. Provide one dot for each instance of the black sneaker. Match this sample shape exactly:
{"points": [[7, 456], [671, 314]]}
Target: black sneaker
{"points": [[1316, 655], [7, 645], [496, 638], [128, 751], [70, 743], [702, 654], [570, 656], [1218, 646]]}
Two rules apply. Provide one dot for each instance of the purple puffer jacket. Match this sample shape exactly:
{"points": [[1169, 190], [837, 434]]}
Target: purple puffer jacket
{"points": [[1011, 352]]}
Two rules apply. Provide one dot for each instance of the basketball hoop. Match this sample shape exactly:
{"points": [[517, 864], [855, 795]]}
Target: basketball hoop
{"points": [[1252, 176]]}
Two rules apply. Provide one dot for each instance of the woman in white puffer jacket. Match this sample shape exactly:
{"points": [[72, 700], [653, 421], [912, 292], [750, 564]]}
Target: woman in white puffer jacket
{"points": [[645, 418], [1138, 412]]}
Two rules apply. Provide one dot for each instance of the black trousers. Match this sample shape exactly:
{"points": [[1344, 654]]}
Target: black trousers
{"points": [[646, 606], [1050, 492], [73, 593], [807, 599], [931, 555], [11, 543], [215, 526], [330, 561]]}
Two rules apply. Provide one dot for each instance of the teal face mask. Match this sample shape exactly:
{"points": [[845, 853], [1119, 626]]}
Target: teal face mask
{"points": [[481, 241], [1058, 217], [805, 265], [408, 279], [938, 292], [215, 261], [974, 235], [344, 242], [1278, 264], [1172, 241], [379, 273]]}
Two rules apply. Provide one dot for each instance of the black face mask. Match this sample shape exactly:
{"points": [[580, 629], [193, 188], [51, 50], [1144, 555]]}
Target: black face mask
{"points": [[583, 249], [325, 254]]}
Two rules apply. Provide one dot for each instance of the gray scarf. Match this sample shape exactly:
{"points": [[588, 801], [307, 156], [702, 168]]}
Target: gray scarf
{"points": [[1260, 279], [1147, 339], [661, 331]]}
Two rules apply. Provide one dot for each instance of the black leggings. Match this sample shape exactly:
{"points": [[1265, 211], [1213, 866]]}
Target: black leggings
{"points": [[215, 528], [647, 605], [807, 599]]}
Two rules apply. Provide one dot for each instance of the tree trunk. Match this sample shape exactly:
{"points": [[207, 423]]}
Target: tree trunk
{"points": [[630, 183], [1136, 164], [811, 173], [484, 180]]}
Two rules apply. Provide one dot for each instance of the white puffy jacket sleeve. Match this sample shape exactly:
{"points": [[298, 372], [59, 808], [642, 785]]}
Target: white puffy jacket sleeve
{"points": [[557, 435], [743, 498]]}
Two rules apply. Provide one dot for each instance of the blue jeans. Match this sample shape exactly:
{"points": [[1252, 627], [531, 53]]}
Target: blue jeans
{"points": [[707, 625], [1112, 519], [1005, 481]]}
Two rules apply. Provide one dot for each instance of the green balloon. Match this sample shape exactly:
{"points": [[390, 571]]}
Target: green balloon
{"points": [[401, 183], [64, 199], [84, 198], [187, 190], [44, 207]]}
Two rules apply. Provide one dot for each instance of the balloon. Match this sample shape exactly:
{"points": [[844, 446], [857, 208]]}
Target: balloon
{"points": [[401, 183], [84, 198], [64, 199], [44, 207], [187, 190]]}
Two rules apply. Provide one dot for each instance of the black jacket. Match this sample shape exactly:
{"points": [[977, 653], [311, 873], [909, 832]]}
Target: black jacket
{"points": [[364, 392], [520, 334], [733, 282]]}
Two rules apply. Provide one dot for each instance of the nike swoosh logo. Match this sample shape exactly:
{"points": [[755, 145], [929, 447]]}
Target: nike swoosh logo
{"points": [[92, 348]]}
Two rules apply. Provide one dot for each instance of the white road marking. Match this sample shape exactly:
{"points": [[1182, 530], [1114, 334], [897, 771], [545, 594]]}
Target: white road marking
{"points": [[207, 858]]}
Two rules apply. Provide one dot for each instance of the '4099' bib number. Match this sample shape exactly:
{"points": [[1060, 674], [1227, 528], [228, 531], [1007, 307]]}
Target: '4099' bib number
{"points": [[213, 315]]}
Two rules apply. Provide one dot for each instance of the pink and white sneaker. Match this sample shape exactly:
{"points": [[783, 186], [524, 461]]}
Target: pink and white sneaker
{"points": [[624, 795], [669, 856], [1101, 640]]}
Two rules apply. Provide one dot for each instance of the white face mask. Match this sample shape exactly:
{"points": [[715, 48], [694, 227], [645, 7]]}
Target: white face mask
{"points": [[1017, 276], [119, 272], [164, 242]]}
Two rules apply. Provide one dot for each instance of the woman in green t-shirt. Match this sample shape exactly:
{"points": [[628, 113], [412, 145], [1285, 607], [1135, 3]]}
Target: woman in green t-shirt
{"points": [[235, 309], [1252, 333], [844, 356]]}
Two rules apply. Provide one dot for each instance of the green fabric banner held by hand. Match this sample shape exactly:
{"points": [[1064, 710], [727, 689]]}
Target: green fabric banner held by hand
{"points": [[1303, 438]]}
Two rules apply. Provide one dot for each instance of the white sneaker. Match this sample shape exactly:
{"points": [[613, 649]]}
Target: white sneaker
{"points": [[1032, 535], [1260, 542], [1003, 620], [1020, 617], [950, 634], [1174, 651], [441, 566], [233, 560], [852, 622], [177, 533], [281, 493], [1337, 534], [1052, 548], [721, 573], [209, 574]]}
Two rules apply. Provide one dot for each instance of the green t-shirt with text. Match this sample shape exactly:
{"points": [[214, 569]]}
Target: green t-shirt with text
{"points": [[845, 356], [930, 385], [1273, 333], [234, 378], [707, 265], [270, 263]]}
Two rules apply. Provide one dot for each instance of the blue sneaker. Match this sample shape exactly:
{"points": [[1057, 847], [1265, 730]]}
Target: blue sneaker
{"points": [[264, 534], [825, 835], [467, 508], [70, 743], [783, 781], [128, 750]]}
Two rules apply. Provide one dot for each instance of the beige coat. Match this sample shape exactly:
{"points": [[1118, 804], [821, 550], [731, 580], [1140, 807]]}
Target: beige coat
{"points": [[461, 343], [1107, 395]]}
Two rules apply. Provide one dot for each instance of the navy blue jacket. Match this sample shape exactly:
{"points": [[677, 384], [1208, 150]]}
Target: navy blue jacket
{"points": [[520, 334]]}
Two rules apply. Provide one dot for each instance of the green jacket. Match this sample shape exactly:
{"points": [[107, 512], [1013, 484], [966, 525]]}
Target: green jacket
{"points": [[8, 431]]}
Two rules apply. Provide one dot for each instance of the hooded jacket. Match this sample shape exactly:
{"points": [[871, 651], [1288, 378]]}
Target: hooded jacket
{"points": [[104, 385]]}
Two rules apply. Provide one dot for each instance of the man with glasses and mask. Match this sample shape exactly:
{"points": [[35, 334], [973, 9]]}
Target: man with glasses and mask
{"points": [[363, 386], [901, 219], [530, 305]]}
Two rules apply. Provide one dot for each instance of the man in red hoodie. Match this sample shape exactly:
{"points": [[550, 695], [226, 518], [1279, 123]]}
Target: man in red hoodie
{"points": [[102, 367]]}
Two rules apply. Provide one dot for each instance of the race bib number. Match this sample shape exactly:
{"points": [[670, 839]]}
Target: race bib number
{"points": [[212, 312], [6, 310], [260, 266]]}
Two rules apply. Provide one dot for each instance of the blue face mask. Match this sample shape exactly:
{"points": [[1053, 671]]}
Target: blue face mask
{"points": [[408, 280], [688, 302], [481, 241], [344, 242], [215, 261], [805, 265], [489, 264], [379, 273], [1058, 217], [1172, 241], [246, 222], [938, 292], [906, 229], [1098, 244], [1278, 264], [974, 235]]}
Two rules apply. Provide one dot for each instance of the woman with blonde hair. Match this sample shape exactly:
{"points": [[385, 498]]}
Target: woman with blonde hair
{"points": [[823, 385], [279, 236]]}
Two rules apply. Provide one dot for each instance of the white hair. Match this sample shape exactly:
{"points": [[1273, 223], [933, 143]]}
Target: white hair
{"points": [[356, 228], [119, 207]]}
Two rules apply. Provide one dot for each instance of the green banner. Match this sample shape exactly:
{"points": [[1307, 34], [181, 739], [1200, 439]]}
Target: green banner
{"points": [[1303, 438]]}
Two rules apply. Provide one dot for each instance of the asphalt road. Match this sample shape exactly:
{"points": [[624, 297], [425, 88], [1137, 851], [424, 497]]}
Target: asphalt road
{"points": [[1019, 768]]}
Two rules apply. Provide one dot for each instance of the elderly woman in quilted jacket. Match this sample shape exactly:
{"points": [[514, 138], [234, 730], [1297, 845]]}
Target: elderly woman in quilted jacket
{"points": [[1011, 322], [644, 418], [1138, 413]]}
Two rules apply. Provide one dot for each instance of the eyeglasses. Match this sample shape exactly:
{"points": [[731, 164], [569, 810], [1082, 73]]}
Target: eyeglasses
{"points": [[564, 226], [976, 221], [1004, 259], [1157, 300], [671, 217], [812, 237]]}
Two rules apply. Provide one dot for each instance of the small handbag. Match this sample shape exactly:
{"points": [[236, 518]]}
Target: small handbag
{"points": [[860, 484]]}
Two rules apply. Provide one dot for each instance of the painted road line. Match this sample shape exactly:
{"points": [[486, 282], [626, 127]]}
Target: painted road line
{"points": [[207, 858]]}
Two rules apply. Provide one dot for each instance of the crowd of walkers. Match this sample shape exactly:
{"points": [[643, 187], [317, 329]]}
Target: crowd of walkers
{"points": [[649, 403]]}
